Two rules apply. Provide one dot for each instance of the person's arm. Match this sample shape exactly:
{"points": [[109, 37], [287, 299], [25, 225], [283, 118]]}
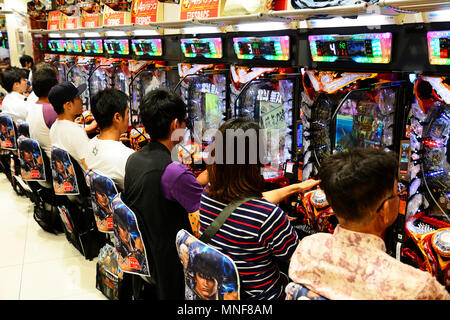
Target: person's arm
{"points": [[203, 178], [278, 195], [91, 128]]}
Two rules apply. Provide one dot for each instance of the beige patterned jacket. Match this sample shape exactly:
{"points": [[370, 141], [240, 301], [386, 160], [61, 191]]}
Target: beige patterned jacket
{"points": [[353, 265]]}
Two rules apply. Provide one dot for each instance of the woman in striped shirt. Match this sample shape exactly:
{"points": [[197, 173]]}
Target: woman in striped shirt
{"points": [[258, 232]]}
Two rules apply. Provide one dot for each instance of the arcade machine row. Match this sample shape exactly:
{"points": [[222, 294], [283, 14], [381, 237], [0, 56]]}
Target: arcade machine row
{"points": [[425, 242], [204, 79], [149, 69], [265, 88], [351, 98]]}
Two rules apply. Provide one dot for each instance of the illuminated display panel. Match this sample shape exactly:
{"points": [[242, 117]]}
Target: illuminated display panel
{"points": [[92, 46], [117, 46], [56, 45], [73, 46], [269, 48], [361, 48], [147, 47], [439, 47], [207, 48]]}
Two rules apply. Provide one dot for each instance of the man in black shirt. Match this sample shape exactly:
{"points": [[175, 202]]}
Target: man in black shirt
{"points": [[160, 192]]}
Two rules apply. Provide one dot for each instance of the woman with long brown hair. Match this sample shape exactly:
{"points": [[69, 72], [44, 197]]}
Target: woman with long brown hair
{"points": [[257, 232]]}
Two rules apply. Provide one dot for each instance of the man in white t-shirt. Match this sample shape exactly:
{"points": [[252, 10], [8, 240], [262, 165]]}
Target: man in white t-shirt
{"points": [[65, 133], [106, 154], [14, 81]]}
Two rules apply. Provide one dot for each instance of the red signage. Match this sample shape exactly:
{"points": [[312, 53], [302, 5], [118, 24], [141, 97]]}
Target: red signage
{"points": [[145, 11], [191, 9], [54, 20]]}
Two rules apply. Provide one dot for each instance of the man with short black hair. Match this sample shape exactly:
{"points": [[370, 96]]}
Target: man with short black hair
{"points": [[41, 114], [361, 187], [106, 154], [13, 80], [27, 63], [160, 192], [65, 133]]}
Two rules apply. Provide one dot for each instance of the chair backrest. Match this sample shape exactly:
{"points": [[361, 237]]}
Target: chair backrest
{"points": [[128, 240], [209, 274], [32, 163], [103, 190], [7, 132], [63, 173], [296, 291]]}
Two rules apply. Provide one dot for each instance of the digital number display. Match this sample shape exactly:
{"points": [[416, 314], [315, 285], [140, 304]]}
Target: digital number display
{"points": [[207, 48], [56, 45], [149, 47], [361, 48], [117, 47], [269, 48], [92, 46], [439, 47], [73, 46]]}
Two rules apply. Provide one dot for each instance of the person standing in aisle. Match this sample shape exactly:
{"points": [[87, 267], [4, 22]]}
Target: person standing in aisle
{"points": [[352, 263], [162, 194], [65, 133], [13, 80], [106, 154], [41, 114], [27, 63]]}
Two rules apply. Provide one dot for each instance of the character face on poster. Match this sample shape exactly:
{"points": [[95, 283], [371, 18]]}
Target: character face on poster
{"points": [[130, 248], [103, 191], [63, 173], [7, 133], [209, 274], [31, 163]]}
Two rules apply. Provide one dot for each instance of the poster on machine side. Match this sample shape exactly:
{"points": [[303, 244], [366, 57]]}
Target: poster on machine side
{"points": [[200, 9], [146, 11]]}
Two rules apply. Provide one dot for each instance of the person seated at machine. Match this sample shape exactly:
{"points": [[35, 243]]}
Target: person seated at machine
{"points": [[258, 232], [106, 154], [14, 81], [163, 194], [27, 63], [65, 133], [41, 114], [352, 263]]}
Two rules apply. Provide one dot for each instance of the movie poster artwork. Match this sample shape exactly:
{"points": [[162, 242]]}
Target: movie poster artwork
{"points": [[63, 173], [103, 190], [209, 274], [7, 133], [129, 243], [31, 161]]}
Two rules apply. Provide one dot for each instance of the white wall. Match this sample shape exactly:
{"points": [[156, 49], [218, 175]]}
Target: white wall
{"points": [[17, 23]]}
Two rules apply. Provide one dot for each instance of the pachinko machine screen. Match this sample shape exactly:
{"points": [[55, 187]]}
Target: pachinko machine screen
{"points": [[270, 102], [269, 48], [147, 47], [439, 47], [207, 104], [92, 46], [206, 48], [361, 48], [56, 45], [120, 47], [73, 46], [366, 119]]}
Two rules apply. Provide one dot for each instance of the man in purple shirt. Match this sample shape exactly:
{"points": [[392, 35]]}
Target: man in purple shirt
{"points": [[161, 193]]}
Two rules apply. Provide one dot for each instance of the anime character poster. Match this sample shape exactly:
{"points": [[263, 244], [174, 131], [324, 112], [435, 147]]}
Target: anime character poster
{"points": [[129, 244], [209, 274], [108, 273], [103, 191], [7, 133], [63, 173], [31, 162]]}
